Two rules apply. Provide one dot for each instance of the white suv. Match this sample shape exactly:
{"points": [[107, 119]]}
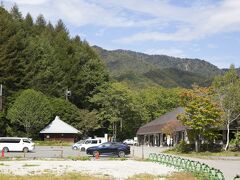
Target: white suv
{"points": [[16, 144], [90, 143], [78, 144], [130, 142]]}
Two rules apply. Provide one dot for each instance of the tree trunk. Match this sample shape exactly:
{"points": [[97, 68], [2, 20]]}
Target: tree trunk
{"points": [[197, 143], [228, 132], [114, 132]]}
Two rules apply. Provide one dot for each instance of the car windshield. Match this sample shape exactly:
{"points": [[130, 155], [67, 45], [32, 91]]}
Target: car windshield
{"points": [[80, 142], [107, 144], [26, 140]]}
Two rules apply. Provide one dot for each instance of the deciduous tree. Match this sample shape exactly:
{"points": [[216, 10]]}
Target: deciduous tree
{"points": [[201, 114], [227, 89], [31, 110]]}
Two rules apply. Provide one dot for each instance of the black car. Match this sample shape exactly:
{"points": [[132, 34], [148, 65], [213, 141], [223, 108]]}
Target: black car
{"points": [[114, 148]]}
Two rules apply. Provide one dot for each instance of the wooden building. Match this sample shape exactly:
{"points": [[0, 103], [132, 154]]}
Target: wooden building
{"points": [[58, 130], [153, 133]]}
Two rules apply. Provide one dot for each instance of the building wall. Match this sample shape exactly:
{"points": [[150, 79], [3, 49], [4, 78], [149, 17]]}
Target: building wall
{"points": [[59, 137]]}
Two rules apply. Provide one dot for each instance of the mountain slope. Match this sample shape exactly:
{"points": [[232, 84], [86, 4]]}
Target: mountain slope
{"points": [[139, 69]]}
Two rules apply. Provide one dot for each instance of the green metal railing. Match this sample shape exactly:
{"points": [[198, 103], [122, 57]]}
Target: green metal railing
{"points": [[200, 170], [236, 177]]}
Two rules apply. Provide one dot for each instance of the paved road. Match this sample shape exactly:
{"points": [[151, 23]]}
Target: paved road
{"points": [[229, 166], [144, 151], [48, 152], [51, 152]]}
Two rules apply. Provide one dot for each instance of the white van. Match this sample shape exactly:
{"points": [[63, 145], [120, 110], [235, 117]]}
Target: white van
{"points": [[16, 144], [90, 143], [78, 144]]}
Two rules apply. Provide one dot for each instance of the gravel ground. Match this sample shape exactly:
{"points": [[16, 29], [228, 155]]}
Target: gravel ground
{"points": [[229, 166], [113, 168]]}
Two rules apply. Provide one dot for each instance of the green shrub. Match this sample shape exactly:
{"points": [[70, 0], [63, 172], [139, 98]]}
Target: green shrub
{"points": [[211, 147], [182, 147], [80, 158], [235, 143]]}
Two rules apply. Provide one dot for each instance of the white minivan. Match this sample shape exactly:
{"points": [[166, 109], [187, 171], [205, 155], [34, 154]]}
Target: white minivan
{"points": [[90, 143], [16, 144]]}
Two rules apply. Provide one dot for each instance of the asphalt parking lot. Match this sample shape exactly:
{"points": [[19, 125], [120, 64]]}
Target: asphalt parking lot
{"points": [[51, 152], [48, 152], [67, 151]]}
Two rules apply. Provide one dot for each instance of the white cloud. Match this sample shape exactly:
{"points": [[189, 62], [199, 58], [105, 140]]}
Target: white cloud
{"points": [[166, 51], [181, 35], [194, 22], [152, 18], [29, 2]]}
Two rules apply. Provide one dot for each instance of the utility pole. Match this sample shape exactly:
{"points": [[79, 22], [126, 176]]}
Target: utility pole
{"points": [[1, 97], [67, 94]]}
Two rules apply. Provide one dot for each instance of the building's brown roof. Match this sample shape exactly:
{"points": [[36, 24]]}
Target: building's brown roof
{"points": [[156, 125]]}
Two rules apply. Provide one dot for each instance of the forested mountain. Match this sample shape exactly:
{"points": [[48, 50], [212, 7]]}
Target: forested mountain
{"points": [[140, 69]]}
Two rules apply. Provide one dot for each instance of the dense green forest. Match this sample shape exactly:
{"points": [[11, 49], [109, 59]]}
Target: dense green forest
{"points": [[40, 56], [40, 61]]}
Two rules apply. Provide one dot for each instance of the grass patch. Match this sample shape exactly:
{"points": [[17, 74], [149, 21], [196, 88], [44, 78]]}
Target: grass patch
{"points": [[68, 176], [5, 159], [52, 143], [117, 158], [181, 176], [80, 158], [143, 160], [145, 176], [204, 154], [30, 165], [173, 176]]}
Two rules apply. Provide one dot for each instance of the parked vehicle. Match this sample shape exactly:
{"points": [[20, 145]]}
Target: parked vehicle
{"points": [[130, 142], [113, 148], [90, 143], [78, 144], [16, 144]]}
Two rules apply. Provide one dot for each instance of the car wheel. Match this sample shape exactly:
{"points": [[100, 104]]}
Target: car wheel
{"points": [[75, 148], [121, 154], [25, 150], [82, 149], [95, 153], [5, 149]]}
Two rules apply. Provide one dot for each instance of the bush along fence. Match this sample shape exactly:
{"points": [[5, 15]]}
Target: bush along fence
{"points": [[200, 170]]}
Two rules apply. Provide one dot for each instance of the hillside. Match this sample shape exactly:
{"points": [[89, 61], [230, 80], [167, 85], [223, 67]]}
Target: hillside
{"points": [[139, 69]]}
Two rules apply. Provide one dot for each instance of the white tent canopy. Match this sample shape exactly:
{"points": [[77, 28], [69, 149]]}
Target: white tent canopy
{"points": [[59, 126]]}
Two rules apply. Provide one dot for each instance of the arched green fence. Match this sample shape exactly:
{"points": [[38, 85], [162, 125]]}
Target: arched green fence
{"points": [[200, 170], [236, 177]]}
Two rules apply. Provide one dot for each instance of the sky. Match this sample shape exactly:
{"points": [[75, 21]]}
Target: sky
{"points": [[203, 29]]}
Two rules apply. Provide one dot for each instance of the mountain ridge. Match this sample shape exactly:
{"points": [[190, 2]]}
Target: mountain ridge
{"points": [[165, 61], [133, 67]]}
